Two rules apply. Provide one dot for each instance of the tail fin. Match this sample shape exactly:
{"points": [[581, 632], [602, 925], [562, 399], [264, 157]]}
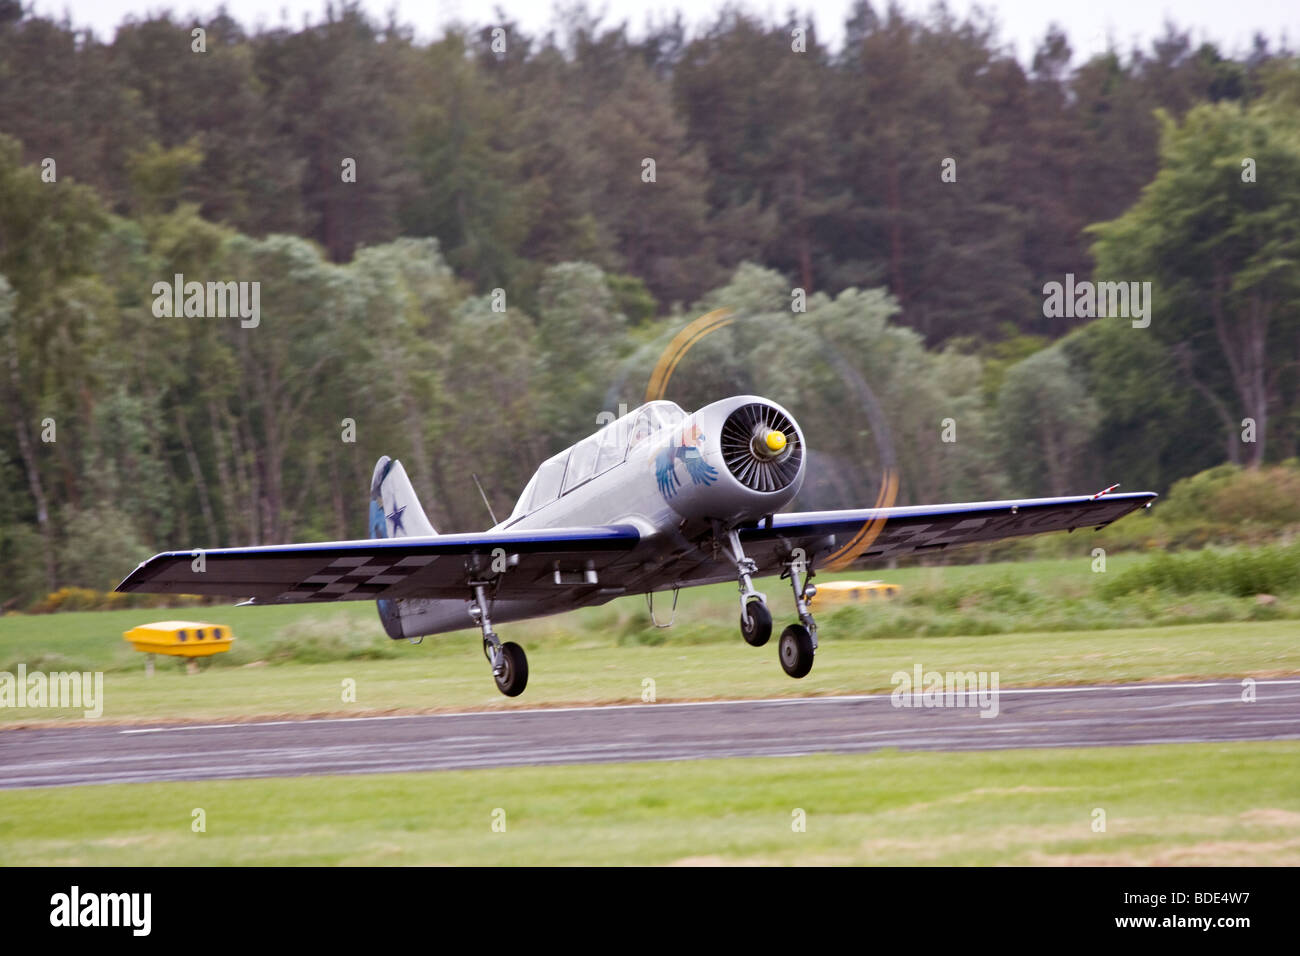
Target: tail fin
{"points": [[395, 511]]}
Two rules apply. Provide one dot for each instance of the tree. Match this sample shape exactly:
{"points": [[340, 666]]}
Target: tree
{"points": [[49, 235], [331, 88], [909, 97], [1046, 420], [471, 195], [1217, 233]]}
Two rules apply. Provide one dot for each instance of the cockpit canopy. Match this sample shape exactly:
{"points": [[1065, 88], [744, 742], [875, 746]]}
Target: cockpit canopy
{"points": [[595, 455]]}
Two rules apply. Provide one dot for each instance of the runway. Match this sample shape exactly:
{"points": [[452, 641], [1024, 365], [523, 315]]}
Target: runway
{"points": [[1025, 717]]}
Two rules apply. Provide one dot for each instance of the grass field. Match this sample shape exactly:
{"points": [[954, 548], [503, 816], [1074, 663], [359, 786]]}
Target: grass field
{"points": [[452, 674], [1213, 804], [1039, 622], [1048, 595], [295, 660]]}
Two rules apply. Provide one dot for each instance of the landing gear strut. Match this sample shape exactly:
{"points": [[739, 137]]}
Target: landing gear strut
{"points": [[509, 664], [755, 618], [798, 642]]}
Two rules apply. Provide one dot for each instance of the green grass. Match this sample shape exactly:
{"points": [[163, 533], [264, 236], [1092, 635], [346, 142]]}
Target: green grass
{"points": [[92, 640], [1219, 804], [450, 673], [1050, 595], [1036, 622]]}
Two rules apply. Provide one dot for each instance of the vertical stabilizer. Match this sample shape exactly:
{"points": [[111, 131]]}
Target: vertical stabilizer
{"points": [[395, 511]]}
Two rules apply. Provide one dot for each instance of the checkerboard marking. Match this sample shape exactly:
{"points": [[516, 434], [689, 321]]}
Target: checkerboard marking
{"points": [[356, 574]]}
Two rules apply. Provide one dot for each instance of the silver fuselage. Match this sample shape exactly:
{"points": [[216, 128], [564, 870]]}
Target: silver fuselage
{"points": [[672, 482]]}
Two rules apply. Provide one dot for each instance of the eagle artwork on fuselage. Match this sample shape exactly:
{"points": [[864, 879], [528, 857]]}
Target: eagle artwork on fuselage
{"points": [[684, 445], [655, 501]]}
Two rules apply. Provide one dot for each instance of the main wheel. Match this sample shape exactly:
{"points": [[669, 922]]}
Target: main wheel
{"points": [[796, 650], [514, 674], [756, 623]]}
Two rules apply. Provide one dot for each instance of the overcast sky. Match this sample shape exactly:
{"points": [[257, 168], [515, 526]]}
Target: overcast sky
{"points": [[1229, 23]]}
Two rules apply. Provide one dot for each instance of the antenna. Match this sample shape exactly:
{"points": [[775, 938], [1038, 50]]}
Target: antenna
{"points": [[485, 500]]}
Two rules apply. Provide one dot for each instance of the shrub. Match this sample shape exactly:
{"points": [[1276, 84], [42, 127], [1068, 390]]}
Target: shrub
{"points": [[87, 599], [317, 640], [22, 566], [1228, 496], [1239, 572], [70, 599], [48, 662]]}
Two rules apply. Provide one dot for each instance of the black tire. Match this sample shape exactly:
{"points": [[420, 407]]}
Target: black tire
{"points": [[796, 650], [756, 623], [514, 675]]}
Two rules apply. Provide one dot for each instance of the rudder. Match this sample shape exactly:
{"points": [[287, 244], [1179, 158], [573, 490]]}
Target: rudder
{"points": [[395, 512]]}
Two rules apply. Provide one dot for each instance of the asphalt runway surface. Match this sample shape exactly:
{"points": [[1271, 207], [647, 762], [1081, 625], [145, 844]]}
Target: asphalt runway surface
{"points": [[1027, 717]]}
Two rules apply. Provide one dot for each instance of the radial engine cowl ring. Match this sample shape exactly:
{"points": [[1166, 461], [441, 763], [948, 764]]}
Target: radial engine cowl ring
{"points": [[761, 447]]}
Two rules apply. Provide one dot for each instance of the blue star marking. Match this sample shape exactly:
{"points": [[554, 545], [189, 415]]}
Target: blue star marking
{"points": [[396, 519]]}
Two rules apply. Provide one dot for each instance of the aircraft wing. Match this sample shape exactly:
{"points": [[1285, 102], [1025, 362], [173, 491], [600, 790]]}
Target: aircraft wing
{"points": [[838, 540], [843, 538], [540, 563], [568, 567]]}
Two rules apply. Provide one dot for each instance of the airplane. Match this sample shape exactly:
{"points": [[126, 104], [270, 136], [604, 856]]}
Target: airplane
{"points": [[656, 500]]}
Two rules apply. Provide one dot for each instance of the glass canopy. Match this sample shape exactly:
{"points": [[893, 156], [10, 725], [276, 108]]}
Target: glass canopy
{"points": [[595, 455]]}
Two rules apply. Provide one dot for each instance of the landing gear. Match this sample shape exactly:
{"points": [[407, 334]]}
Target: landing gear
{"points": [[755, 623], [755, 618], [796, 648], [509, 663], [799, 641], [514, 670]]}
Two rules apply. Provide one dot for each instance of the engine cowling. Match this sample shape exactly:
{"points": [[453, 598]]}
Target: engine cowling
{"points": [[754, 454]]}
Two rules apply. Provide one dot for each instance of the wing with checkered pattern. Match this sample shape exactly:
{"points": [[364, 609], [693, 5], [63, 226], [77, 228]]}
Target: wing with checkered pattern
{"points": [[841, 539], [591, 565], [538, 563]]}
